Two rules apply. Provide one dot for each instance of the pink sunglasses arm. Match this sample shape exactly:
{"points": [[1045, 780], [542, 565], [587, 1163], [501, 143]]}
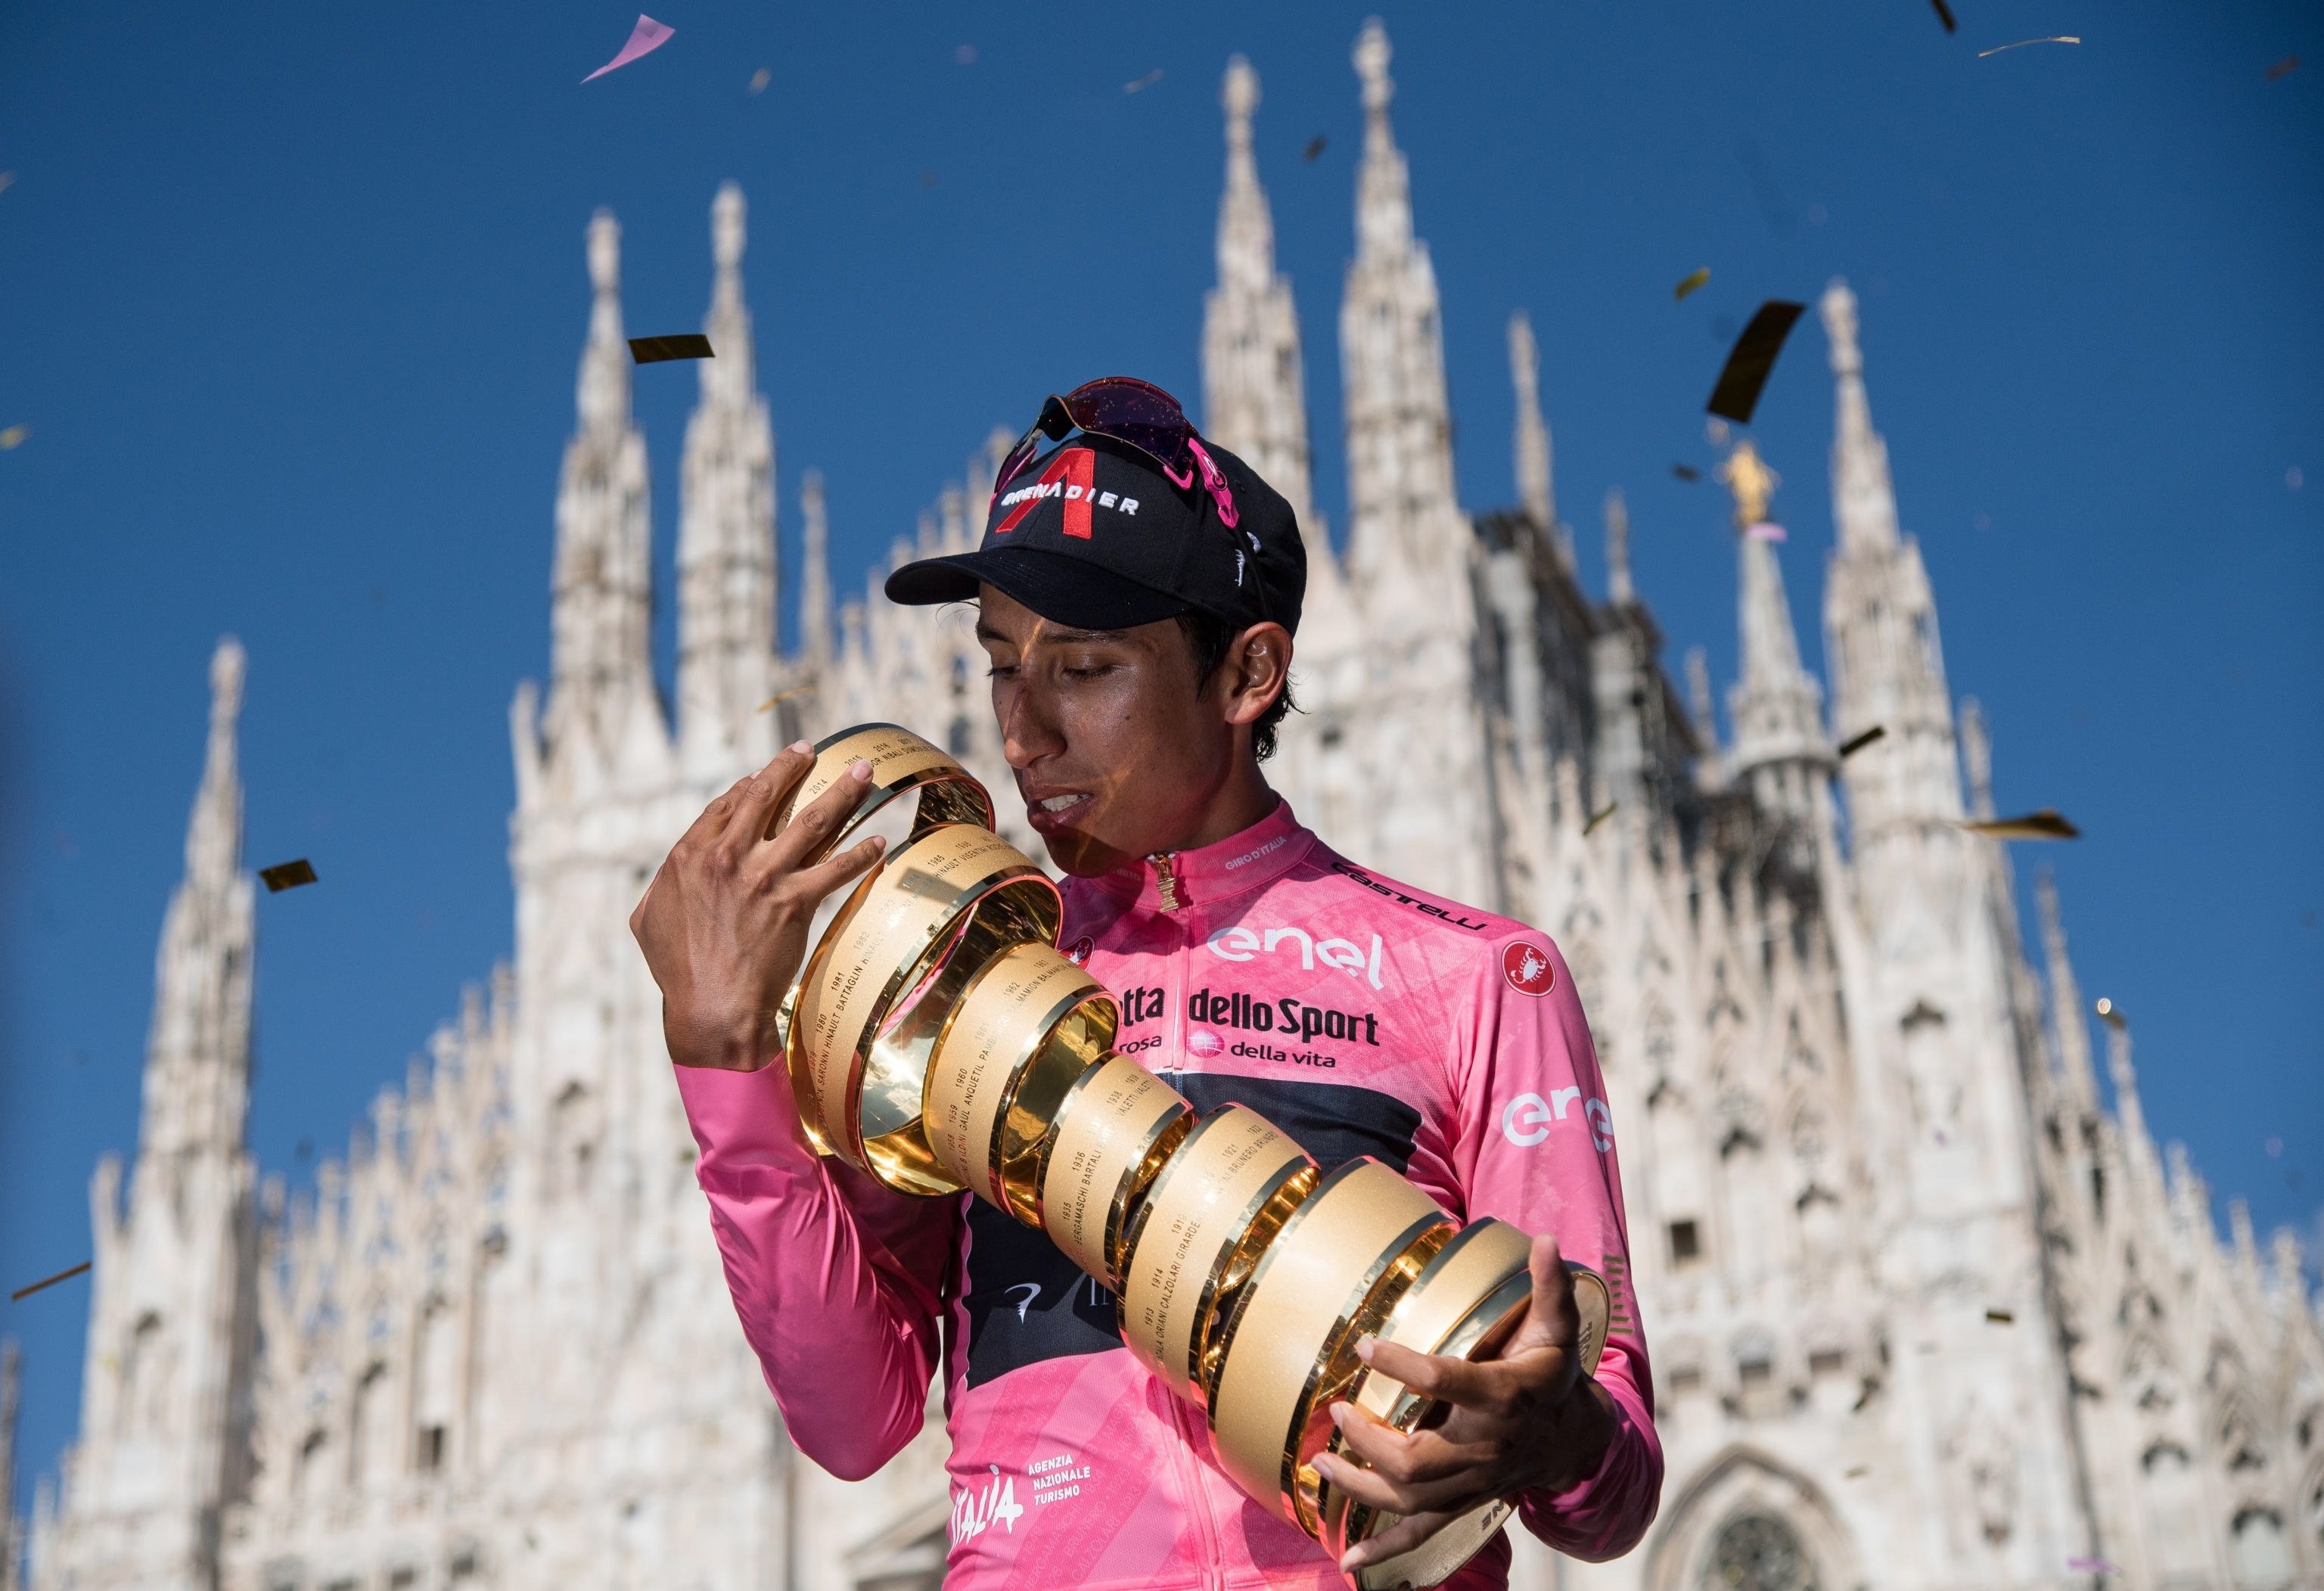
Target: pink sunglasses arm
{"points": [[1213, 480]]}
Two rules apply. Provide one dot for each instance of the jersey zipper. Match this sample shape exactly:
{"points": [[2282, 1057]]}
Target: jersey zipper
{"points": [[1213, 1567], [1165, 883]]}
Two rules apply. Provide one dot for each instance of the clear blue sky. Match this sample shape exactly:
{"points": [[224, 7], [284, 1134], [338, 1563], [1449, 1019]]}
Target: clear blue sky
{"points": [[291, 298]]}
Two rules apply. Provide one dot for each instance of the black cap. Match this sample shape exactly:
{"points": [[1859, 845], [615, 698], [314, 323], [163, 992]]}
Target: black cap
{"points": [[1094, 535]]}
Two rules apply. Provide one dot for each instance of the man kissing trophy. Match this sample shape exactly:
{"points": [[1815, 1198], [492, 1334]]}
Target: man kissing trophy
{"points": [[1325, 1290]]}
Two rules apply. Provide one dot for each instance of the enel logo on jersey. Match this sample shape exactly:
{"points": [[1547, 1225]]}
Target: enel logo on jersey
{"points": [[1240, 944]]}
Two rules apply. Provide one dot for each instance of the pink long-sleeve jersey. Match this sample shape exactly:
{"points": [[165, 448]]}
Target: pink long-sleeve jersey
{"points": [[1359, 1017]]}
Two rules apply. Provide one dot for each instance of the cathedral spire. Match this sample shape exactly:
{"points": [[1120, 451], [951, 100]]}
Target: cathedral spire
{"points": [[214, 833], [198, 1053], [815, 573], [2068, 1023], [601, 679], [1536, 487], [1254, 393], [1246, 241], [1775, 708], [1531, 445], [1864, 502], [1619, 590], [2130, 1112], [726, 533], [1404, 514], [1977, 757], [164, 1440], [1384, 185], [1880, 622]]}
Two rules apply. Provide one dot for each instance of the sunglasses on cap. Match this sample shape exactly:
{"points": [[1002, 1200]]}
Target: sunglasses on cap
{"points": [[1132, 412]]}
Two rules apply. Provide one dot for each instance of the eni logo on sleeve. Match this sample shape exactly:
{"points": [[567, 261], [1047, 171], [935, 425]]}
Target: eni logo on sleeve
{"points": [[1525, 1119]]}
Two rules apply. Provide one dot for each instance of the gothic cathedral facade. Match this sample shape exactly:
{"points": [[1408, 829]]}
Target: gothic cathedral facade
{"points": [[1924, 1312]]}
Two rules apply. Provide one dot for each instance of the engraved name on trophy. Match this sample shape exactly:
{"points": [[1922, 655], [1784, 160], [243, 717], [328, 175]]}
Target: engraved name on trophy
{"points": [[938, 1040]]}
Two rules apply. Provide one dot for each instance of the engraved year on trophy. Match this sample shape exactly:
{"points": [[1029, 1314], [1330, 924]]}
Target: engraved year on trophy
{"points": [[938, 1040]]}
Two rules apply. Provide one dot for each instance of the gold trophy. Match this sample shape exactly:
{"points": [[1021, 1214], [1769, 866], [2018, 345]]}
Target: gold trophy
{"points": [[938, 1040]]}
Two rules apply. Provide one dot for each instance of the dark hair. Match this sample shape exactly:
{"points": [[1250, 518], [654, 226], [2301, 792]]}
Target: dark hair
{"points": [[1210, 637]]}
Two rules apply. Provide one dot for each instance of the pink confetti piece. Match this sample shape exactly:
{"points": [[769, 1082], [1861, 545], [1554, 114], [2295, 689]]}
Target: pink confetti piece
{"points": [[1765, 531], [646, 37]]}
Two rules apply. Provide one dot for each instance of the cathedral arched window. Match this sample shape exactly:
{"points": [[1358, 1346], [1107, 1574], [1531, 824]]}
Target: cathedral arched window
{"points": [[306, 1473], [363, 1423], [141, 1372], [572, 1148], [436, 1397], [1662, 1049], [2260, 1556], [2163, 1457], [1759, 1552], [2239, 1441]]}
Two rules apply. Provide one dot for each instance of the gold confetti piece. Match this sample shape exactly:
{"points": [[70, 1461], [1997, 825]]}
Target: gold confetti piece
{"points": [[1599, 817], [1856, 1470], [2053, 39], [2046, 824], [2282, 69], [26, 1292], [1945, 16], [7, 178], [287, 875], [1315, 147], [1686, 472], [760, 79], [2000, 1317], [14, 437], [782, 696], [1857, 743], [2110, 1013], [1148, 81], [653, 350], [1693, 280], [1752, 361]]}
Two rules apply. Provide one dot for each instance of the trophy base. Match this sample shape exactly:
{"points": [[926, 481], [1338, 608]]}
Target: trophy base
{"points": [[1466, 1302], [1438, 1559]]}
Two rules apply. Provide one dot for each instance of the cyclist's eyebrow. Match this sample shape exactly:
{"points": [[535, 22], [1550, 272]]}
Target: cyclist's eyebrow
{"points": [[1057, 632]]}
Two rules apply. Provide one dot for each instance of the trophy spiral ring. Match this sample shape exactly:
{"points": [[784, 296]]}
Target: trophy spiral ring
{"points": [[938, 1039]]}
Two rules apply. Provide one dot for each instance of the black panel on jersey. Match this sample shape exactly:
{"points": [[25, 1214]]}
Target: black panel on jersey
{"points": [[1027, 1302], [1333, 1122]]}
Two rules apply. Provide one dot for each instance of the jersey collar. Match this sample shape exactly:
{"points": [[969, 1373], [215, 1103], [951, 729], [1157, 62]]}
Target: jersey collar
{"points": [[1175, 880]]}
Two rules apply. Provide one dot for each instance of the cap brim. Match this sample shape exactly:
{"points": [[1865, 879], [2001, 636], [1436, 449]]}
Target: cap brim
{"points": [[1062, 590]]}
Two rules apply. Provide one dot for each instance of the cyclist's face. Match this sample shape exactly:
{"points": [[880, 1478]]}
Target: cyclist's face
{"points": [[1119, 750]]}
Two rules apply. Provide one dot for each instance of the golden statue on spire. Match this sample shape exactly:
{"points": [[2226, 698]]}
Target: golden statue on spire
{"points": [[1754, 484]]}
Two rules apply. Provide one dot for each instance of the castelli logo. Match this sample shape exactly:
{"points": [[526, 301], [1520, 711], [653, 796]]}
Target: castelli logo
{"points": [[1204, 1042], [1528, 968], [1078, 952]]}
